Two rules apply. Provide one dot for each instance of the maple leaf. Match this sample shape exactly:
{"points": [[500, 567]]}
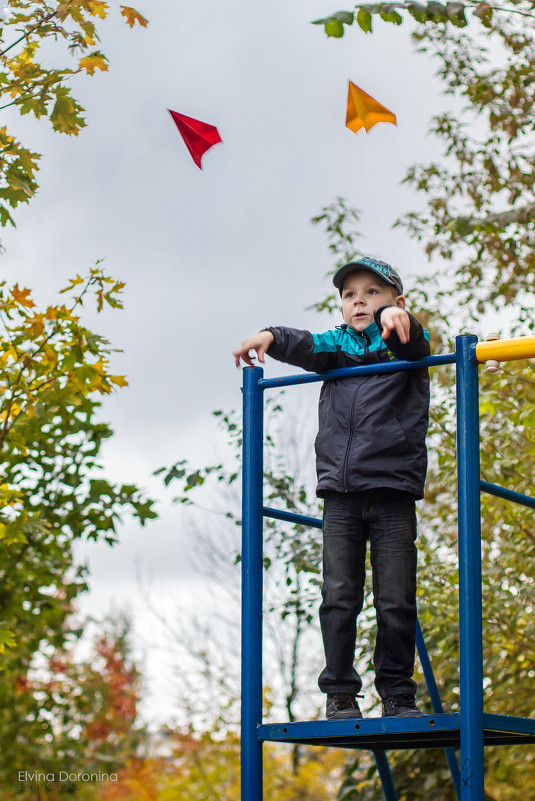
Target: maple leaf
{"points": [[132, 16], [94, 61], [21, 296], [119, 380], [65, 116], [98, 8]]}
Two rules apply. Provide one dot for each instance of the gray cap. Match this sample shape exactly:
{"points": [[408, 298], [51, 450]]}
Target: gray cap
{"points": [[380, 268]]}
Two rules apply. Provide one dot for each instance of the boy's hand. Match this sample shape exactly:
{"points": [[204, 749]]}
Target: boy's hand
{"points": [[394, 318], [259, 343]]}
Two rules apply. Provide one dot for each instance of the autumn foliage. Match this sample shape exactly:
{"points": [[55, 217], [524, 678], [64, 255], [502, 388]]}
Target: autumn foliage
{"points": [[53, 370], [201, 767], [45, 91]]}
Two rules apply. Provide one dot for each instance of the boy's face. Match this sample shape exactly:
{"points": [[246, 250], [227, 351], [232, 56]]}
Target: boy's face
{"points": [[362, 295]]}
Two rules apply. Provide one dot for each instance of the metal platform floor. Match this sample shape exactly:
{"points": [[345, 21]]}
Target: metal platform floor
{"points": [[429, 731]]}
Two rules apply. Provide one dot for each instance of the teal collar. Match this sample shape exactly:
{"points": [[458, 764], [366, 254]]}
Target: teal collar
{"points": [[373, 333]]}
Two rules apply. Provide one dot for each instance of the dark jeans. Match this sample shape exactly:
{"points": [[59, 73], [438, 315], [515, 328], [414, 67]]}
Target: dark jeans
{"points": [[388, 519]]}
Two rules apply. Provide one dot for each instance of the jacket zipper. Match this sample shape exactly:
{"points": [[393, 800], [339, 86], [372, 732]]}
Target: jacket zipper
{"points": [[353, 402]]}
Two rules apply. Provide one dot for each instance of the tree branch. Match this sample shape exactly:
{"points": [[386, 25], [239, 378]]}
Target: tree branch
{"points": [[29, 32], [466, 225]]}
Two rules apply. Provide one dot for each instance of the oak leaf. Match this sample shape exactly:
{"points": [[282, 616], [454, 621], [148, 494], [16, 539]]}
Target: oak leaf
{"points": [[22, 296], [132, 16]]}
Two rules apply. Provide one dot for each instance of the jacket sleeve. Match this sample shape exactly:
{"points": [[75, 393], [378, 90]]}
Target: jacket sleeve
{"points": [[294, 346], [418, 345]]}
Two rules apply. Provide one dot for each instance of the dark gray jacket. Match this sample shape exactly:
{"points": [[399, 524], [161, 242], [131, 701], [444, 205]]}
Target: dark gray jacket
{"points": [[372, 428]]}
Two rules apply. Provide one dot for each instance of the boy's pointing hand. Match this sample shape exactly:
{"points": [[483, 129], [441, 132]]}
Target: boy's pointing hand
{"points": [[394, 318], [259, 343]]}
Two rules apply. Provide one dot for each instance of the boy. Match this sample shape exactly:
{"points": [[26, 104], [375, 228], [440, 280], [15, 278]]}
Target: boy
{"points": [[371, 462]]}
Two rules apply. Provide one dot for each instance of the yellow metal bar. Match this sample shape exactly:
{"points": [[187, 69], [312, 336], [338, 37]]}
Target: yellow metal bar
{"points": [[504, 350]]}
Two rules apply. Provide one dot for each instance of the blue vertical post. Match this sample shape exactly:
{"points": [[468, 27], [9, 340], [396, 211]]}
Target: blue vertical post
{"points": [[470, 604], [252, 560], [385, 774], [436, 703]]}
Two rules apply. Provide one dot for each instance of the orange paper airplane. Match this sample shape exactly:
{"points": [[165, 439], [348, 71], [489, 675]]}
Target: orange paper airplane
{"points": [[363, 111]]}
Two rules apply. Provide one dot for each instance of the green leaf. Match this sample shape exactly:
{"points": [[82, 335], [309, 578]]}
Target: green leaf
{"points": [[418, 11], [65, 116], [456, 14], [5, 217], [388, 14], [364, 20], [436, 12], [484, 13], [7, 640], [334, 28]]}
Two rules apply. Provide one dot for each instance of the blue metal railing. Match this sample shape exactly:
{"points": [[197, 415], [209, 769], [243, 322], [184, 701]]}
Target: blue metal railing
{"points": [[470, 601], [468, 781]]}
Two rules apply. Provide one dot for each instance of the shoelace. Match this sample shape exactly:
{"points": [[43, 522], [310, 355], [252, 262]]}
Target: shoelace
{"points": [[345, 701], [402, 700]]}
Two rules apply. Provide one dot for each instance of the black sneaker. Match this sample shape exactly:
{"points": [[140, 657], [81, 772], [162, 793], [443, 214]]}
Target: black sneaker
{"points": [[400, 706], [342, 705]]}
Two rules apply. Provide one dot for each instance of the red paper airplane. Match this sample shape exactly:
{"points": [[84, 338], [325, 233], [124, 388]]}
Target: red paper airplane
{"points": [[198, 136]]}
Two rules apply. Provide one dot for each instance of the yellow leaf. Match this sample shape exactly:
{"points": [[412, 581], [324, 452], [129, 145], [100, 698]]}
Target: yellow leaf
{"points": [[14, 410], [98, 9], [7, 640], [62, 10], [95, 61], [132, 16], [78, 280], [50, 356], [37, 325], [21, 296], [120, 380]]}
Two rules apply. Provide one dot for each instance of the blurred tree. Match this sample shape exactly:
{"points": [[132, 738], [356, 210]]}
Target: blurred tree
{"points": [[479, 221], [480, 197], [507, 409], [479, 229], [52, 370], [27, 27], [210, 689], [89, 707], [205, 767]]}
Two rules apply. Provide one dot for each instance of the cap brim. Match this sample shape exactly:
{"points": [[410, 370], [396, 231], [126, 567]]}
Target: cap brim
{"points": [[340, 276]]}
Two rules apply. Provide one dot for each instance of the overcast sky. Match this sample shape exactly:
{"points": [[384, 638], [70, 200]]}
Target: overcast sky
{"points": [[211, 256]]}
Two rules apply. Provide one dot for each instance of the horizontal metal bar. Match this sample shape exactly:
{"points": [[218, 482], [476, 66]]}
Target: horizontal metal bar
{"points": [[364, 369], [313, 729], [292, 517], [504, 350], [509, 724], [428, 731], [508, 495]]}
